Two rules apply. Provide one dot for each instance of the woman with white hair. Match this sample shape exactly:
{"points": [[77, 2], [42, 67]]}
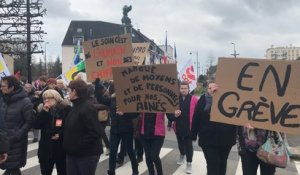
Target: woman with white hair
{"points": [[50, 120]]}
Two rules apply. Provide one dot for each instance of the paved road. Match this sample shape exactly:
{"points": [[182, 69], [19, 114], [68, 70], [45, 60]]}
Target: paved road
{"points": [[169, 155]]}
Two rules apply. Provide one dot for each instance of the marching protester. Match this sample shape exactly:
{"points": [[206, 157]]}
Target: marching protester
{"points": [[152, 138], [17, 111], [34, 98], [82, 132], [50, 119], [183, 124], [215, 139], [121, 129], [60, 85]]}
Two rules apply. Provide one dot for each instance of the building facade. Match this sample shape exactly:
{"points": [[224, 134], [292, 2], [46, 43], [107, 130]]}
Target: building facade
{"points": [[283, 53]]}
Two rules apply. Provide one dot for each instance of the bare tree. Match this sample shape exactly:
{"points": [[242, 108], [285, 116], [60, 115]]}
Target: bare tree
{"points": [[20, 25]]}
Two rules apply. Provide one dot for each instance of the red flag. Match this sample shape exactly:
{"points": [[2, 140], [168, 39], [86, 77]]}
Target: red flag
{"points": [[165, 59], [18, 75]]}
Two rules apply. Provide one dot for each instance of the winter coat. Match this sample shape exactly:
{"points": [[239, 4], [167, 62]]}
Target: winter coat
{"points": [[120, 124], [82, 130], [183, 123], [51, 123], [3, 142], [18, 117], [211, 133]]}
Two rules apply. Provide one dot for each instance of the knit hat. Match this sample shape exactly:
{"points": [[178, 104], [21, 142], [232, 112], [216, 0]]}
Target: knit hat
{"points": [[51, 81]]}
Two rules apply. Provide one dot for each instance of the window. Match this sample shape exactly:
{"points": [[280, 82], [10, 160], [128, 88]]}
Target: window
{"points": [[76, 38], [79, 30]]}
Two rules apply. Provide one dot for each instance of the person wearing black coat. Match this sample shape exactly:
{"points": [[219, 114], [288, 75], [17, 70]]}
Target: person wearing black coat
{"points": [[215, 139], [182, 125], [34, 98], [121, 129], [50, 120], [82, 132], [17, 110]]}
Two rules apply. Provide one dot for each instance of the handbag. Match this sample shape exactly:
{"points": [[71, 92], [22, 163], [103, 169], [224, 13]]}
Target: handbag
{"points": [[274, 153], [102, 115]]}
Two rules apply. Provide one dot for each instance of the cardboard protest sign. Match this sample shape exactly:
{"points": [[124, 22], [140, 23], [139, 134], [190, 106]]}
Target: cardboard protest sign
{"points": [[140, 51], [148, 88], [101, 54], [264, 93]]}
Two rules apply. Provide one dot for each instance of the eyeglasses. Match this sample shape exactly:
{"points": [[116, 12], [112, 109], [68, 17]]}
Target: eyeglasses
{"points": [[48, 98]]}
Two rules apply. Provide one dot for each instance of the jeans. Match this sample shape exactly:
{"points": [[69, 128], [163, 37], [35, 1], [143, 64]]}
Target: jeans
{"points": [[127, 139], [216, 159], [152, 149], [185, 145], [250, 164], [82, 165]]}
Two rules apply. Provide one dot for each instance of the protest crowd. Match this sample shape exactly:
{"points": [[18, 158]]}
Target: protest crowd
{"points": [[140, 103], [71, 120]]}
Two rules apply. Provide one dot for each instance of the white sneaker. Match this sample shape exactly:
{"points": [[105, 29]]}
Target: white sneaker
{"points": [[181, 160], [188, 168]]}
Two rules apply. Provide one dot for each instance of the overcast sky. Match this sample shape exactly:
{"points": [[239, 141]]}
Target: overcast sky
{"points": [[206, 26]]}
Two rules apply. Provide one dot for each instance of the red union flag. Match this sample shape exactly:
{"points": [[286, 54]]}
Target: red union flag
{"points": [[187, 74]]}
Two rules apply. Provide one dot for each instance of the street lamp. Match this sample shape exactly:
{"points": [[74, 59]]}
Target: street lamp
{"points": [[197, 63], [234, 51], [46, 58]]}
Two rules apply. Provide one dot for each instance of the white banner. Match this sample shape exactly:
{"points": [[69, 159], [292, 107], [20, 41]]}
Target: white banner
{"points": [[3, 67], [187, 74]]}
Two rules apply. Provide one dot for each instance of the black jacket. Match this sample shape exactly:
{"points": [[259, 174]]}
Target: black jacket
{"points": [[182, 122], [211, 133], [119, 124], [18, 116], [49, 123], [82, 130], [3, 142]]}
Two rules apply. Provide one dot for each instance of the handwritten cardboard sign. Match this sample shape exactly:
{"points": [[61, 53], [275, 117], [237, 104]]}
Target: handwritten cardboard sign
{"points": [[147, 88], [140, 51], [101, 54], [264, 93]]}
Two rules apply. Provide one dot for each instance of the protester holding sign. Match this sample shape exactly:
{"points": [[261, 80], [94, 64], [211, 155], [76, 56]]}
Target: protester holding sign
{"points": [[215, 139], [182, 125], [152, 138], [50, 119], [121, 129]]}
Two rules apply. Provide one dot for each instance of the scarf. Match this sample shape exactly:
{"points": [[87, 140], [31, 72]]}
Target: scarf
{"points": [[208, 100]]}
